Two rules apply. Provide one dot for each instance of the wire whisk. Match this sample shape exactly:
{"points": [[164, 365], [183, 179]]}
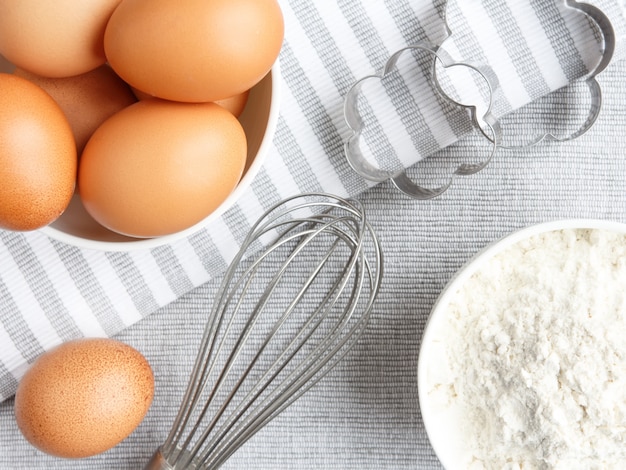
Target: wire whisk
{"points": [[294, 300]]}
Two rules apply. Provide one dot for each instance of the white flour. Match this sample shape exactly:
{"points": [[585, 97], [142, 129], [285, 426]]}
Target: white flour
{"points": [[536, 364]]}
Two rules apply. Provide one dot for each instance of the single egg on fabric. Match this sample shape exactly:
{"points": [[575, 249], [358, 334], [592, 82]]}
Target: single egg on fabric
{"points": [[37, 156], [158, 167], [84, 397]]}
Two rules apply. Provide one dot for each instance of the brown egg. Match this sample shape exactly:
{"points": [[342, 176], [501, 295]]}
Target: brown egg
{"points": [[158, 167], [83, 397], [141, 95], [37, 156], [87, 99], [194, 51], [54, 39], [235, 104]]}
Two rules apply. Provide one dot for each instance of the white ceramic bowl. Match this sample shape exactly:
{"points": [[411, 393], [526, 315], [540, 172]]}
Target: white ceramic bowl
{"points": [[441, 427], [259, 118]]}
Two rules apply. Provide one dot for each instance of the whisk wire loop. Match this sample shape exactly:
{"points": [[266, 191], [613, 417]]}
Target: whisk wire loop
{"points": [[284, 315], [272, 405], [266, 380], [250, 324], [246, 401]]}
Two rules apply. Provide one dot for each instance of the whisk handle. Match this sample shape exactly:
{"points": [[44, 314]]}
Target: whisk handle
{"points": [[158, 462]]}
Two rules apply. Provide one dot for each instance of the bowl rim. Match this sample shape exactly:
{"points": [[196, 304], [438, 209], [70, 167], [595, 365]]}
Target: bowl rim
{"points": [[471, 266], [230, 201]]}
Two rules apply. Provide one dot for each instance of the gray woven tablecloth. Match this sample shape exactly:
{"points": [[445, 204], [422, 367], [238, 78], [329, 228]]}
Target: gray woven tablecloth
{"points": [[365, 414]]}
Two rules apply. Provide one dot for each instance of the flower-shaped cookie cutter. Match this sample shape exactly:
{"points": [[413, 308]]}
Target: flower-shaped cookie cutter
{"points": [[487, 124], [369, 171], [607, 40]]}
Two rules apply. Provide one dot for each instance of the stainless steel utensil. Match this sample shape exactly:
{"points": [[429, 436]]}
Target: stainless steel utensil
{"points": [[373, 162], [284, 315]]}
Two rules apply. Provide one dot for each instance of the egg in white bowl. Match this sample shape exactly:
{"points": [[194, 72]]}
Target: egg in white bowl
{"points": [[76, 226], [258, 120]]}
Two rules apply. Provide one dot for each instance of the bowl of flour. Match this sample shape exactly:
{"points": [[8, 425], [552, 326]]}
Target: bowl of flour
{"points": [[522, 363]]}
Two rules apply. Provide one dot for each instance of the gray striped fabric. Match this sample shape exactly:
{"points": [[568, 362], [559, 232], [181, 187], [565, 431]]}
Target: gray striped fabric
{"points": [[51, 292]]}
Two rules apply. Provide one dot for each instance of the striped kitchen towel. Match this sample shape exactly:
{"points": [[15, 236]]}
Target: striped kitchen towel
{"points": [[51, 292]]}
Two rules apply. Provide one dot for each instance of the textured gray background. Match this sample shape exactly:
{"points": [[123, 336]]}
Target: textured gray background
{"points": [[365, 413]]}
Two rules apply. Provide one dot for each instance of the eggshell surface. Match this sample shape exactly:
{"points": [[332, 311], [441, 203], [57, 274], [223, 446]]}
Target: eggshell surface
{"points": [[235, 104], [54, 39], [87, 99], [158, 167], [83, 397], [37, 156], [194, 50]]}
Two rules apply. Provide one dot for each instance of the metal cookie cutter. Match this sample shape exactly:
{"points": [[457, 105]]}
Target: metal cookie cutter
{"points": [[367, 170], [487, 124], [608, 44]]}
